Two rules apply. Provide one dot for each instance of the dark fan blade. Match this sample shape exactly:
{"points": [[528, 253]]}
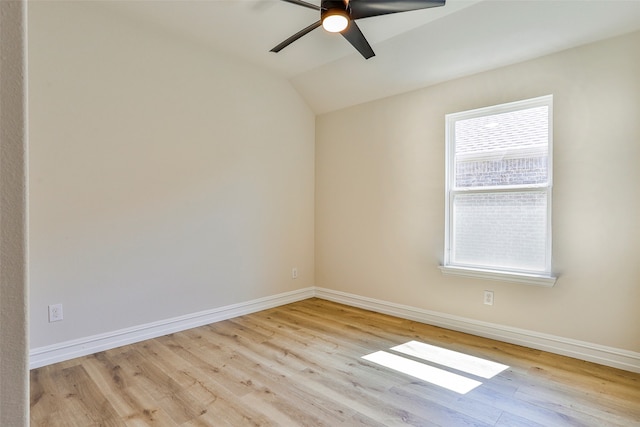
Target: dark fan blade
{"points": [[356, 38], [303, 4], [368, 8], [296, 36]]}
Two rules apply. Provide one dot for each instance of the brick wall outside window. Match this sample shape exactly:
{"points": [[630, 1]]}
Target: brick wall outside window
{"points": [[483, 173]]}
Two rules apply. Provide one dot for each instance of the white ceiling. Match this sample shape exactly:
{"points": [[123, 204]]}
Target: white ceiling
{"points": [[413, 49]]}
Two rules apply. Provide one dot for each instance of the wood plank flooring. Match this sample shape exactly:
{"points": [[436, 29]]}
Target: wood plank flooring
{"points": [[301, 365]]}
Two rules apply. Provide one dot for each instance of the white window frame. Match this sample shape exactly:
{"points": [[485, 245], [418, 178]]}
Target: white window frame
{"points": [[541, 278]]}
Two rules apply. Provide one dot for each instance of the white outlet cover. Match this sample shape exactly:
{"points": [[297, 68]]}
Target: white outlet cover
{"points": [[55, 313], [488, 297]]}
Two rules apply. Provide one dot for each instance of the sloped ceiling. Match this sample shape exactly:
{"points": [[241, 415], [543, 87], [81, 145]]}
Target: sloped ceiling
{"points": [[413, 49]]}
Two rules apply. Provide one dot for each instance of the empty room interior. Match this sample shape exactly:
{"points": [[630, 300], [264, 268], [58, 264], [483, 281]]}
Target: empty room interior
{"points": [[223, 235]]}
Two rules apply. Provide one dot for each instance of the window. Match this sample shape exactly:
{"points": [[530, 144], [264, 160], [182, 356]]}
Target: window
{"points": [[498, 206]]}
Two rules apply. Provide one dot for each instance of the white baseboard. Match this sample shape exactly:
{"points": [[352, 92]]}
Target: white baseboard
{"points": [[617, 358], [609, 356], [47, 355]]}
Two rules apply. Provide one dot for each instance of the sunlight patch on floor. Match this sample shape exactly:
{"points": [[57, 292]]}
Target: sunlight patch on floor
{"points": [[452, 359], [437, 376]]}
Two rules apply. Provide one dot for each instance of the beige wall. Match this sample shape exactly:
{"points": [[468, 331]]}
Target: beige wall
{"points": [[165, 179], [14, 385], [380, 197]]}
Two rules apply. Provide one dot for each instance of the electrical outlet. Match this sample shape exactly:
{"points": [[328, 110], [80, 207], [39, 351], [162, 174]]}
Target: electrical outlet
{"points": [[294, 273], [55, 313], [488, 297]]}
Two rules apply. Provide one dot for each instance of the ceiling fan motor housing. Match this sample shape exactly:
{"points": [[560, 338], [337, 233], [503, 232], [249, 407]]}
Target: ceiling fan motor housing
{"points": [[332, 5]]}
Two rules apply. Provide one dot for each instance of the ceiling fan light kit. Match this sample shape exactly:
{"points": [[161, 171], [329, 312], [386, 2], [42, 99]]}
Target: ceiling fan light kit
{"points": [[338, 16], [335, 21]]}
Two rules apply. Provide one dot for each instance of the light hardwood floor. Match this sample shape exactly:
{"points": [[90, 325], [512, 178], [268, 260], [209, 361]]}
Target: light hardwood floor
{"points": [[301, 365]]}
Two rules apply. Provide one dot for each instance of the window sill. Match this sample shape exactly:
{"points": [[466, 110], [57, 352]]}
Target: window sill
{"points": [[527, 279]]}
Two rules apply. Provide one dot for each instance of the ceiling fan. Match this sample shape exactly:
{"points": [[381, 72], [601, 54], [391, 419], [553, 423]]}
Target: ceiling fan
{"points": [[339, 16]]}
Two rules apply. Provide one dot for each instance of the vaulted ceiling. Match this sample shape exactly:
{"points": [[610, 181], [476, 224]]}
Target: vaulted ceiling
{"points": [[413, 49]]}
